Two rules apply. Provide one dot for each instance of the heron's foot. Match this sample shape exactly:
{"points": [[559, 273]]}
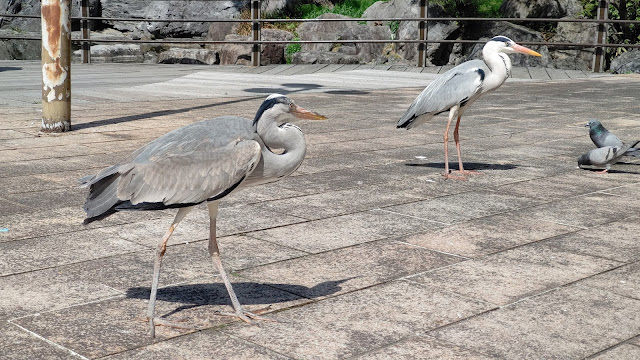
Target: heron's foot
{"points": [[162, 322], [454, 177], [248, 316], [468, 172]]}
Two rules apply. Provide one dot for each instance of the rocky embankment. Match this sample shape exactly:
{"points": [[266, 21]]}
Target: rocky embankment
{"points": [[340, 53]]}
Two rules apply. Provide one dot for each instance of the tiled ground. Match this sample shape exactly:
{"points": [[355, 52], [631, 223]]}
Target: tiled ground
{"points": [[366, 252]]}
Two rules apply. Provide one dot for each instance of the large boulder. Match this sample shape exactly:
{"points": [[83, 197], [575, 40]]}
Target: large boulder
{"points": [[19, 49], [571, 57], [514, 32], [117, 53], [347, 30], [240, 54], [628, 62], [22, 7], [274, 53], [235, 54], [324, 57], [437, 54], [171, 9], [540, 8], [189, 56]]}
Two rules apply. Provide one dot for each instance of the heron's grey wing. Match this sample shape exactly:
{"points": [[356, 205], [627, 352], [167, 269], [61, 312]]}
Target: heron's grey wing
{"points": [[182, 177], [454, 87]]}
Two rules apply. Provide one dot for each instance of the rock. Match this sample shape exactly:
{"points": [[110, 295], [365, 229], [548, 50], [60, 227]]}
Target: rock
{"points": [[541, 8], [347, 30], [437, 54], [628, 62], [118, 53], [22, 7], [19, 49], [324, 57], [235, 54], [274, 53], [167, 10], [571, 57], [516, 33], [277, 6], [189, 56], [217, 31]]}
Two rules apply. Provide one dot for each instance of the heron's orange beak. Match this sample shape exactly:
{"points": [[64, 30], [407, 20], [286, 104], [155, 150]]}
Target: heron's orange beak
{"points": [[524, 50], [303, 113]]}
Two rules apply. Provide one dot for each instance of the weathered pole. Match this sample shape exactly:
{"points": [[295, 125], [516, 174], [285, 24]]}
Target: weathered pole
{"points": [[422, 33], [601, 35], [56, 65], [255, 32]]}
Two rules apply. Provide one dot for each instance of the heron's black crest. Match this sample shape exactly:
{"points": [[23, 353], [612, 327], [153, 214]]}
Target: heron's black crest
{"points": [[501, 39], [269, 103]]}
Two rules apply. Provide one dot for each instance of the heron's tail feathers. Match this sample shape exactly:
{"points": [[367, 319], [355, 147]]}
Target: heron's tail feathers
{"points": [[103, 194], [410, 119]]}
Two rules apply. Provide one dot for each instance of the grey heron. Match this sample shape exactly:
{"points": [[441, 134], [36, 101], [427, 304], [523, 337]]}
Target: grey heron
{"points": [[197, 163], [459, 87]]}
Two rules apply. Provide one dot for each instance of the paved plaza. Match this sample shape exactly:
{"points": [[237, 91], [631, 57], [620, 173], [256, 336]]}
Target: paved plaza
{"points": [[365, 252]]}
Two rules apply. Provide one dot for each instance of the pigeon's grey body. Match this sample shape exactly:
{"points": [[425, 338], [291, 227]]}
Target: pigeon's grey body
{"points": [[602, 137], [607, 156]]}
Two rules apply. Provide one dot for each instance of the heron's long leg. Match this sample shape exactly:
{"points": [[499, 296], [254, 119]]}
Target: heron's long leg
{"points": [[162, 248], [214, 252], [452, 113], [457, 140]]}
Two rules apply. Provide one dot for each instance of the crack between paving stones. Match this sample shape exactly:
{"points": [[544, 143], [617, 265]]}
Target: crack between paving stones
{"points": [[626, 341], [71, 352]]}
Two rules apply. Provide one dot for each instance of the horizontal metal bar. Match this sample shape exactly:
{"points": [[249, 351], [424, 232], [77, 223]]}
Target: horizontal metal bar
{"points": [[342, 41], [607, 21]]}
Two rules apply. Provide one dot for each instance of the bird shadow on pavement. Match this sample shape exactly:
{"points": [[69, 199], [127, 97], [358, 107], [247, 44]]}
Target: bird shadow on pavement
{"points": [[467, 166], [9, 68], [249, 293]]}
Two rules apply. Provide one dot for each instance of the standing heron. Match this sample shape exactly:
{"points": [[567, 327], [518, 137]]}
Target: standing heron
{"points": [[201, 162], [459, 87]]}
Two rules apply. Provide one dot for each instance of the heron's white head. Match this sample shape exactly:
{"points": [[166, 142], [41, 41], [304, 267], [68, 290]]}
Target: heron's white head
{"points": [[281, 108], [505, 45]]}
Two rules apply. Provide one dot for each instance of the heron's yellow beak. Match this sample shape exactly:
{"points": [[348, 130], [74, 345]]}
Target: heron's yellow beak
{"points": [[303, 113], [524, 50]]}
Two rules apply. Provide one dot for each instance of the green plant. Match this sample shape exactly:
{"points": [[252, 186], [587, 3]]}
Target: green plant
{"points": [[472, 8], [291, 49], [351, 8], [618, 33]]}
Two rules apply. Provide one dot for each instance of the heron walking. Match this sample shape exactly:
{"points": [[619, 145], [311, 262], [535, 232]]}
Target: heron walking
{"points": [[197, 163], [459, 87]]}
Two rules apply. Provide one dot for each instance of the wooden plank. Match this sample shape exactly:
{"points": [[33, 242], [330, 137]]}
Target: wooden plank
{"points": [[576, 74], [382, 67], [292, 70], [445, 68], [557, 74], [538, 73], [398, 68], [414, 69], [261, 69], [331, 68], [278, 69], [311, 69], [365, 67], [348, 67], [520, 73], [432, 69]]}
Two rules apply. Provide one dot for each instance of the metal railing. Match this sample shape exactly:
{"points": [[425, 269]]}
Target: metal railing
{"points": [[256, 22]]}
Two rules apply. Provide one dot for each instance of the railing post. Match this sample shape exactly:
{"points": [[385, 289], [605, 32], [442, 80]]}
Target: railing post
{"points": [[422, 33], [601, 36], [86, 34], [56, 65], [255, 32]]}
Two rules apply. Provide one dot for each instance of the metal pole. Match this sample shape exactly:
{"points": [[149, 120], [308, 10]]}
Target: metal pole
{"points": [[601, 36], [422, 25], [56, 65], [86, 33], [255, 32]]}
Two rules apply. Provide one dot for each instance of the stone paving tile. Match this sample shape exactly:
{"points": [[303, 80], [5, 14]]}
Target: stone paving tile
{"points": [[422, 347], [360, 321], [350, 268], [333, 203], [200, 346], [616, 240], [49, 199], [9, 208], [487, 235], [635, 341], [514, 274], [461, 207], [334, 233], [54, 250], [118, 324], [569, 323], [586, 211], [622, 352], [624, 281], [17, 344]]}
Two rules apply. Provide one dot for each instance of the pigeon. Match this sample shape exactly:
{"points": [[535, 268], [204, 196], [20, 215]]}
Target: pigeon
{"points": [[601, 137], [607, 156]]}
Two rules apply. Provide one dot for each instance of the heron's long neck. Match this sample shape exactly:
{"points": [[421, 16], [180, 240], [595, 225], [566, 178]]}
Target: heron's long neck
{"points": [[500, 66], [288, 138]]}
